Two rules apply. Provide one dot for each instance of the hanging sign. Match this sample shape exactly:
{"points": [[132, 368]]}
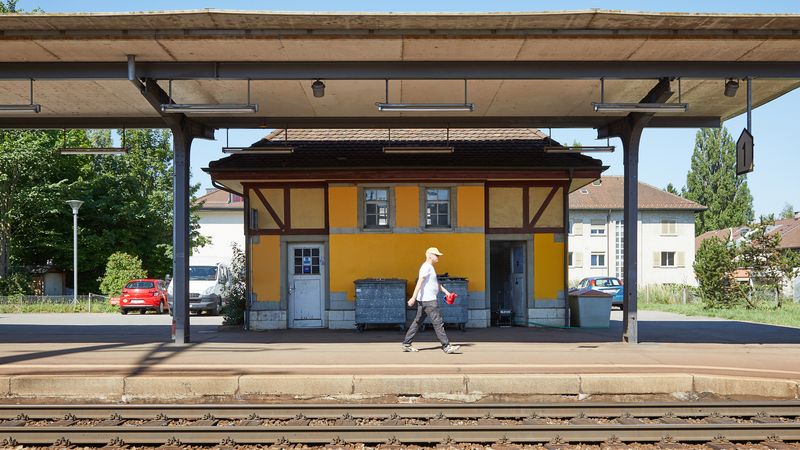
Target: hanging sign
{"points": [[744, 153]]}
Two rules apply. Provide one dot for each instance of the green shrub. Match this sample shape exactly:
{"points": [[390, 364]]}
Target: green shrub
{"points": [[121, 268], [236, 290], [17, 283]]}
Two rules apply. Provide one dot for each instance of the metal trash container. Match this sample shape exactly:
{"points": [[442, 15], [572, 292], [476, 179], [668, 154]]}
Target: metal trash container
{"points": [[458, 312], [590, 308], [380, 301]]}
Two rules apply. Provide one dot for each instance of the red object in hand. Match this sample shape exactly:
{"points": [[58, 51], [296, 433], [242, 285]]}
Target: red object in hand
{"points": [[450, 298]]}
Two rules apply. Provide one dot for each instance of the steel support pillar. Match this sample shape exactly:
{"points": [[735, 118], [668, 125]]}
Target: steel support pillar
{"points": [[629, 129], [182, 144]]}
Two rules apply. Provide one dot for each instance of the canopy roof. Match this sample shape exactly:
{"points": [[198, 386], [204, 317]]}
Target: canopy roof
{"points": [[523, 69]]}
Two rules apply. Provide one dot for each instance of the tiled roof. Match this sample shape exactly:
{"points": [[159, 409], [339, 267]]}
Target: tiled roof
{"points": [[789, 230], [520, 148], [609, 194], [219, 199]]}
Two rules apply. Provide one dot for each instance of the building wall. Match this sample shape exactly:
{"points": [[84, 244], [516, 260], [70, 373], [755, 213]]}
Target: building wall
{"points": [[354, 252], [651, 242], [225, 228]]}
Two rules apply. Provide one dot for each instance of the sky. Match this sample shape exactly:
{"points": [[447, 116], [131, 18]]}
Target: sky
{"points": [[665, 154]]}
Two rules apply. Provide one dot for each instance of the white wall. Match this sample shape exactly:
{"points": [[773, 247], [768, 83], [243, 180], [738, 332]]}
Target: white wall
{"points": [[224, 228], [651, 240]]}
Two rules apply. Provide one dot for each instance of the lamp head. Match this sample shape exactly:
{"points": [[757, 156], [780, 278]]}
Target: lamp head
{"points": [[730, 87], [75, 204], [319, 88]]}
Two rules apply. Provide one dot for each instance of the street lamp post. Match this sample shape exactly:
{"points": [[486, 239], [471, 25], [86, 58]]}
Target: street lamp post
{"points": [[76, 205]]}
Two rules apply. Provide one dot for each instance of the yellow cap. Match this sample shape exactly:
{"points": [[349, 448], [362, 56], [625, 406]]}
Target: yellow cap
{"points": [[434, 250]]}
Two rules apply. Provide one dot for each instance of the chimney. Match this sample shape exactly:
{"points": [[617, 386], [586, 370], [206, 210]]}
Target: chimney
{"points": [[797, 215], [210, 190]]}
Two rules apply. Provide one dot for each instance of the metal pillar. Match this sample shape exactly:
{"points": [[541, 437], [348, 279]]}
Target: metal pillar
{"points": [[630, 144], [182, 143], [629, 129]]}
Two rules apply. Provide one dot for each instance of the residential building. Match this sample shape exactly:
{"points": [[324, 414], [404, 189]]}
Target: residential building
{"points": [[345, 205], [222, 221], [665, 233]]}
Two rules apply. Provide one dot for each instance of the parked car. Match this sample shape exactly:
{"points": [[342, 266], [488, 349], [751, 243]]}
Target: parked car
{"points": [[142, 295], [207, 283], [611, 285]]}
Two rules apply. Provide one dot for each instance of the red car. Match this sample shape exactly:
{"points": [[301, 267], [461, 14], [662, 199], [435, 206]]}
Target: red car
{"points": [[143, 294]]}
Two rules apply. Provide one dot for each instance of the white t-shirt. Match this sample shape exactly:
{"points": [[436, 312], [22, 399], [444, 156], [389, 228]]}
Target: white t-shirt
{"points": [[430, 284]]}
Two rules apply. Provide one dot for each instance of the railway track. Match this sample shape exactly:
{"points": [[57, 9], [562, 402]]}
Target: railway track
{"points": [[399, 424]]}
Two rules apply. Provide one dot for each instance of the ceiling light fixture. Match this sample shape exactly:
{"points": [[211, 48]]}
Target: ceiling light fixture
{"points": [[209, 108], [608, 148], [425, 107], [30, 108], [318, 87], [731, 86], [258, 150], [417, 150], [114, 151], [639, 107]]}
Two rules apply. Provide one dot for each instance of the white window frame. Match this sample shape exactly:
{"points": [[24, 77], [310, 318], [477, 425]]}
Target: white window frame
{"points": [[663, 259], [598, 225], [387, 202], [449, 202], [599, 255]]}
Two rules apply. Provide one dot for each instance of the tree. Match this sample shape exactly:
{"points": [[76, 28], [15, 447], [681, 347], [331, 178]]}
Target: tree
{"points": [[236, 290], [671, 189], [8, 6], [787, 212], [714, 267], [761, 254], [712, 182], [120, 269]]}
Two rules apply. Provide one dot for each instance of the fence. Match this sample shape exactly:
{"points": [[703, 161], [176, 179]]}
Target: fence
{"points": [[61, 303]]}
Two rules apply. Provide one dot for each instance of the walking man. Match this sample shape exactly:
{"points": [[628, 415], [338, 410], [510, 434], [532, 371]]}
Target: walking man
{"points": [[425, 293]]}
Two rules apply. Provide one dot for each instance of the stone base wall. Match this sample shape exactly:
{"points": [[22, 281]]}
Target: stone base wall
{"points": [[268, 320], [342, 320]]}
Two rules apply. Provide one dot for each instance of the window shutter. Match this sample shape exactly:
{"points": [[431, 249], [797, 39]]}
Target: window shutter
{"points": [[664, 227], [577, 228], [577, 259], [680, 259], [656, 259]]}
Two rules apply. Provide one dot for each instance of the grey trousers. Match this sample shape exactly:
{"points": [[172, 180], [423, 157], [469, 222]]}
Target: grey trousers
{"points": [[430, 309]]}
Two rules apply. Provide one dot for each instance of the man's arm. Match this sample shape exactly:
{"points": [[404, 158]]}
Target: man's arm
{"points": [[441, 288], [413, 298]]}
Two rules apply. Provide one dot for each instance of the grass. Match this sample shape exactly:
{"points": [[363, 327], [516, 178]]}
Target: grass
{"points": [[670, 299], [98, 306]]}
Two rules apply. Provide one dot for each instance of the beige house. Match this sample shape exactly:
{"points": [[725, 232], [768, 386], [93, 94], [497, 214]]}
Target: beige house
{"points": [[666, 233]]}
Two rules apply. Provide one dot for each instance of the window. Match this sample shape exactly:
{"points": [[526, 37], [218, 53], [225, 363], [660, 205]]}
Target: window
{"points": [[235, 198], [376, 208], [669, 227], [667, 259], [569, 259], [437, 208], [306, 261], [598, 228], [598, 259]]}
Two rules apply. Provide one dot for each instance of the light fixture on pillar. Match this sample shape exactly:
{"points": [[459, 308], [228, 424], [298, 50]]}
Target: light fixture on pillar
{"points": [[602, 106], [731, 86], [425, 107], [318, 87], [209, 108], [31, 108]]}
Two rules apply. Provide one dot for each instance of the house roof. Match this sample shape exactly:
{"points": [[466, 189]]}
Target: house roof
{"points": [[609, 194], [473, 150], [789, 229], [217, 199]]}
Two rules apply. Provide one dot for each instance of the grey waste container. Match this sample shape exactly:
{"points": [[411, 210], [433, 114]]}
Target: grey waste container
{"points": [[590, 308], [380, 301], [458, 312]]}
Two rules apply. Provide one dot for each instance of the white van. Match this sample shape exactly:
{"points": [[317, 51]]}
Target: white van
{"points": [[207, 283]]}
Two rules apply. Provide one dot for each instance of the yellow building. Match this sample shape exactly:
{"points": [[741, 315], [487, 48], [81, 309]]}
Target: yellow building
{"points": [[324, 208]]}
